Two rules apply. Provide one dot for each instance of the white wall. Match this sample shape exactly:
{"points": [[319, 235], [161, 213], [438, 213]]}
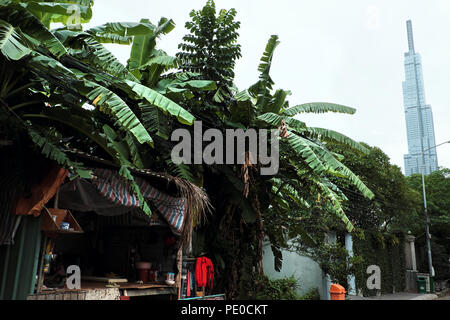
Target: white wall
{"points": [[304, 269]]}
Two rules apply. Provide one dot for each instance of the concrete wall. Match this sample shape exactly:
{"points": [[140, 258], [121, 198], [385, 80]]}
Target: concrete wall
{"points": [[304, 269]]}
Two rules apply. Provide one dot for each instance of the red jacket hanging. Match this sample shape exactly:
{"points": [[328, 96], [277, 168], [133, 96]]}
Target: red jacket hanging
{"points": [[204, 272]]}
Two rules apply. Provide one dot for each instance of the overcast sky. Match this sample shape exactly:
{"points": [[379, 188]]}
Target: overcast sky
{"points": [[344, 51]]}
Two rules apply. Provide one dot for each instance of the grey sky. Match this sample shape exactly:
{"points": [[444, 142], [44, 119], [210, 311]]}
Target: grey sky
{"points": [[343, 51]]}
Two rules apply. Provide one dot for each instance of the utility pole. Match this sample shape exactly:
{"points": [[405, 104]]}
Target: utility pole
{"points": [[427, 220]]}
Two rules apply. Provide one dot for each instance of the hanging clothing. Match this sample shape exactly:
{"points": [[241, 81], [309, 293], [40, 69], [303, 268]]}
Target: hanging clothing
{"points": [[204, 272], [188, 288]]}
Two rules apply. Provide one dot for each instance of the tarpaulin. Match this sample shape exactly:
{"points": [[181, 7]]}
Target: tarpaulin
{"points": [[108, 194], [112, 187]]}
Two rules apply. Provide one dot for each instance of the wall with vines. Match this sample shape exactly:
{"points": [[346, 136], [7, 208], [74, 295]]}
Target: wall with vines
{"points": [[385, 251]]}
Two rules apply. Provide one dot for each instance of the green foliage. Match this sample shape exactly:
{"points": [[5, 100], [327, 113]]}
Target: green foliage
{"points": [[11, 42], [249, 203], [52, 152], [61, 11], [134, 106], [67, 83], [144, 50], [385, 251], [211, 48], [437, 188], [277, 289], [318, 107], [395, 206], [312, 294]]}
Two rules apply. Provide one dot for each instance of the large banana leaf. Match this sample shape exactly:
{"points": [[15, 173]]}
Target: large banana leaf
{"points": [[75, 122], [265, 82], [303, 147], [332, 163], [52, 152], [162, 59], [106, 100], [144, 45], [145, 27], [276, 102], [63, 11], [155, 120], [166, 105], [113, 38], [109, 102], [331, 135], [95, 54], [18, 16], [275, 120], [11, 42], [336, 204], [318, 107]]}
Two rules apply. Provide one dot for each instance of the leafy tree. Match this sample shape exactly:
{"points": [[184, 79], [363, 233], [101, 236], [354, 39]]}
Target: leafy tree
{"points": [[395, 207], [248, 206], [66, 90], [211, 49], [379, 222], [437, 187]]}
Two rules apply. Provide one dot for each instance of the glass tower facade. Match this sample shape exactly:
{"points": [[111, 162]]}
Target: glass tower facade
{"points": [[418, 115]]}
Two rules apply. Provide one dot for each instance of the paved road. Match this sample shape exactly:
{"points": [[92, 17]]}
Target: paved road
{"points": [[397, 296], [446, 297]]}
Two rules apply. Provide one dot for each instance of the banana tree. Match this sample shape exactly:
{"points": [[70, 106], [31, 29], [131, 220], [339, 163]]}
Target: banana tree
{"points": [[306, 165], [67, 81]]}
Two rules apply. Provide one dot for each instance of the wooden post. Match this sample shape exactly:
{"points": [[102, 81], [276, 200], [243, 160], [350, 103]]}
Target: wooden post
{"points": [[56, 201], [180, 268], [40, 279]]}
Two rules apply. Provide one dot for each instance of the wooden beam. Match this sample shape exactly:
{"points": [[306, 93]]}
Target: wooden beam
{"points": [[180, 268]]}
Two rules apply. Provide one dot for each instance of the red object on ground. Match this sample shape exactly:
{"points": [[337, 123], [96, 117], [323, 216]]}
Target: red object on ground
{"points": [[124, 297], [188, 289], [204, 272], [337, 292]]}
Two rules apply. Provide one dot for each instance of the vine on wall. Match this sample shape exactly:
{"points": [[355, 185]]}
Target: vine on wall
{"points": [[385, 251]]}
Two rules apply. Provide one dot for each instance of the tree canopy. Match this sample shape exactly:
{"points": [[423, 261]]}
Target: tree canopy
{"points": [[63, 90]]}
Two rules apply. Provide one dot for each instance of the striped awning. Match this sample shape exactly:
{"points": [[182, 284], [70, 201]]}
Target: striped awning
{"points": [[112, 187]]}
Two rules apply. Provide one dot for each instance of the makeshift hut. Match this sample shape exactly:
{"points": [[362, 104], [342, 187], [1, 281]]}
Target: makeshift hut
{"points": [[96, 227]]}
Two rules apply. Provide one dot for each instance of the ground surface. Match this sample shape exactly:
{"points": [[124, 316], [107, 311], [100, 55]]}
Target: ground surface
{"points": [[398, 296]]}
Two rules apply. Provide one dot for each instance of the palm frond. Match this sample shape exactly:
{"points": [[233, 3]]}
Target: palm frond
{"points": [[155, 120], [304, 148], [166, 105], [318, 107], [336, 204], [52, 152], [181, 170], [275, 120], [265, 82], [331, 135]]}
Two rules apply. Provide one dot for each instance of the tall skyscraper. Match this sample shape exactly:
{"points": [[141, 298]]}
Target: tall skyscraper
{"points": [[418, 114]]}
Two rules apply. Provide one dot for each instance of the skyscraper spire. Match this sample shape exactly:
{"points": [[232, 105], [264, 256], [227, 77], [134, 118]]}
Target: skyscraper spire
{"points": [[418, 114], [410, 36]]}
